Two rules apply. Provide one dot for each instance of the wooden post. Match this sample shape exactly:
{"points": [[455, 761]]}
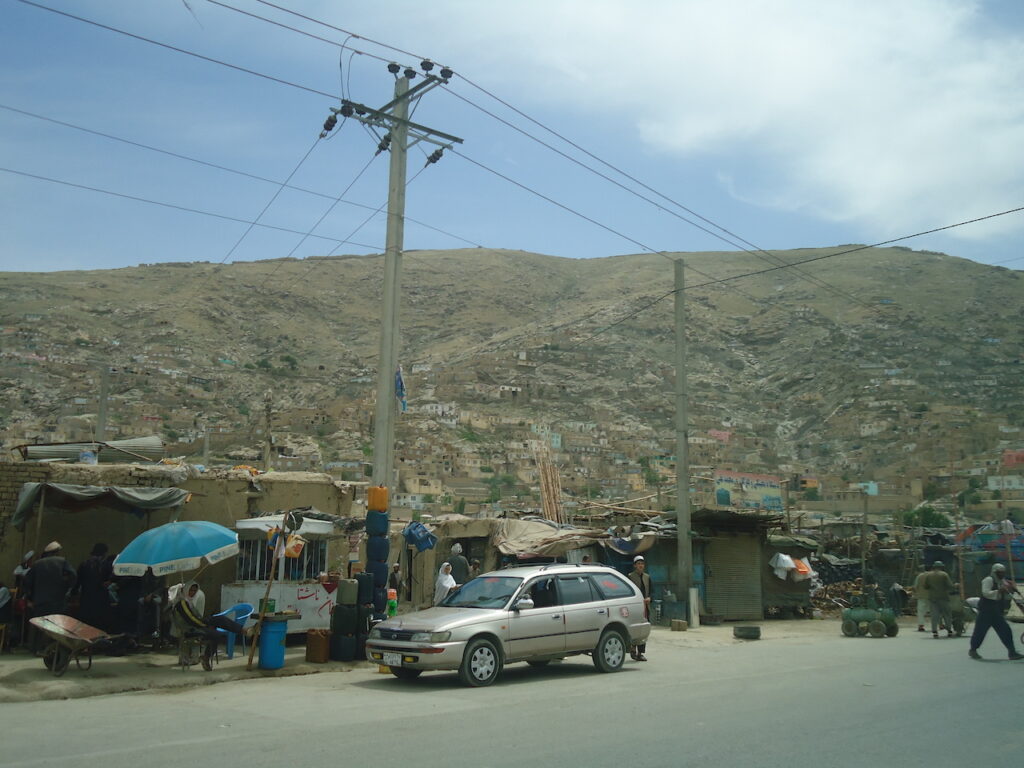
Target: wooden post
{"points": [[278, 547], [39, 518], [1008, 531]]}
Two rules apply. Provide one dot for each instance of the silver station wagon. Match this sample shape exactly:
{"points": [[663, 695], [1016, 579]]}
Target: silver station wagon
{"points": [[535, 614]]}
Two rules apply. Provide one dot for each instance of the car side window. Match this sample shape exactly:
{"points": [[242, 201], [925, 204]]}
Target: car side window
{"points": [[576, 589], [611, 586], [542, 591]]}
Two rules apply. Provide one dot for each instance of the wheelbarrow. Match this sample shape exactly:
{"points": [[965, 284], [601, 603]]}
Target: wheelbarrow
{"points": [[72, 639]]}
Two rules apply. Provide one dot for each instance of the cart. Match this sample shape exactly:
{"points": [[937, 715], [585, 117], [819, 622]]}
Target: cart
{"points": [[72, 639], [867, 615]]}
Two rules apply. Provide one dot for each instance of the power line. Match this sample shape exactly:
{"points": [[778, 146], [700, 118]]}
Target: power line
{"points": [[225, 168], [324, 216], [339, 29], [804, 261], [184, 208], [332, 96], [768, 256], [865, 247], [305, 275], [270, 202], [574, 212]]}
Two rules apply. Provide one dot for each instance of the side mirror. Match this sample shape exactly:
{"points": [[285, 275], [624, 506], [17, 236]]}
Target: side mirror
{"points": [[523, 602]]}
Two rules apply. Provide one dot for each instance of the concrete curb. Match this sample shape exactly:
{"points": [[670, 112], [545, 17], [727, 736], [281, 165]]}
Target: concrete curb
{"points": [[24, 678]]}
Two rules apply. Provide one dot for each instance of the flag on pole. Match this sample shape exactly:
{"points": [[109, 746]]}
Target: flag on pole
{"points": [[400, 388]]}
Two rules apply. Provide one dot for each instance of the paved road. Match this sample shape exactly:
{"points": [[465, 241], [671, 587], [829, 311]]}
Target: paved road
{"points": [[818, 701]]}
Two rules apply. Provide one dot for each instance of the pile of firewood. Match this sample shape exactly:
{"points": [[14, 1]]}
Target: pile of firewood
{"points": [[832, 598]]}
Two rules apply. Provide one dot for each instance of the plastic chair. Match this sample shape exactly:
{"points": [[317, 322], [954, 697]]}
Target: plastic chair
{"points": [[240, 612]]}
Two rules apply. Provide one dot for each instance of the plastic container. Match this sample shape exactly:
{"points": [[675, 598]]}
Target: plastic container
{"points": [[348, 592], [343, 647], [365, 591], [345, 619], [377, 523], [318, 646], [377, 548], [377, 498], [272, 637], [380, 570]]}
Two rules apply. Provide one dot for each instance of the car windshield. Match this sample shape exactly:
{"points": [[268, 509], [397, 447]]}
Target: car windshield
{"points": [[484, 592]]}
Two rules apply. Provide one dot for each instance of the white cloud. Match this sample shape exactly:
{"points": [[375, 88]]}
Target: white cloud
{"points": [[888, 115]]}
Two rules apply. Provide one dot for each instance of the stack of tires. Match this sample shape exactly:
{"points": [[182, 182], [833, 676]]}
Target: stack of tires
{"points": [[350, 619], [378, 547]]}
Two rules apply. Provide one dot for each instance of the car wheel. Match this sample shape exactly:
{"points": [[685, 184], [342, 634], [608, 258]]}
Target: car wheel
{"points": [[538, 662], [849, 627], [404, 673], [610, 652], [481, 663], [50, 655], [877, 628]]}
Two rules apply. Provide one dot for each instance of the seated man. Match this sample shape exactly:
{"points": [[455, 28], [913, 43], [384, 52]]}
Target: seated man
{"points": [[188, 615]]}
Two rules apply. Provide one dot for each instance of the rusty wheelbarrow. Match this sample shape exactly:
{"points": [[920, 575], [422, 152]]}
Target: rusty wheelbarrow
{"points": [[72, 639]]}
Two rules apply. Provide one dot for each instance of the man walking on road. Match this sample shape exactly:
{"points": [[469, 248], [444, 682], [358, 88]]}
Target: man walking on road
{"points": [[642, 579], [921, 596], [995, 588], [939, 585]]}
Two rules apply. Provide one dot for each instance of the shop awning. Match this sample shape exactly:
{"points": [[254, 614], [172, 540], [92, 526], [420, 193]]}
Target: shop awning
{"points": [[75, 498]]}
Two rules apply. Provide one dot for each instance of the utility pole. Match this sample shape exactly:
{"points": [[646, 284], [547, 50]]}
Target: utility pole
{"points": [[684, 551], [268, 442], [863, 533], [101, 414], [400, 134]]}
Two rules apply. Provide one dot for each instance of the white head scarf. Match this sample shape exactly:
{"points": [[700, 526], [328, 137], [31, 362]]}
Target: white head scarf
{"points": [[444, 583], [179, 592]]}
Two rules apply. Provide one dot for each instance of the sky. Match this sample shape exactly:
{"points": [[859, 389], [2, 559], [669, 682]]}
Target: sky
{"points": [[771, 124]]}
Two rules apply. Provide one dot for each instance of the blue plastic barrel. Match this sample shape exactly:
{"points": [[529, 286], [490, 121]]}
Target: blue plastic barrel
{"points": [[272, 637]]}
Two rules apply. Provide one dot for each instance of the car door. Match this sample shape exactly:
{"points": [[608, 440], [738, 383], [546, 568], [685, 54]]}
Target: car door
{"points": [[540, 630], [585, 611]]}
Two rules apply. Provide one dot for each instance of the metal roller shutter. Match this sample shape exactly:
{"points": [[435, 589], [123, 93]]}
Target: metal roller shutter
{"points": [[733, 578]]}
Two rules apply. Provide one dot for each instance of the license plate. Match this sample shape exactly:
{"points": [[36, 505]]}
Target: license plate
{"points": [[392, 659]]}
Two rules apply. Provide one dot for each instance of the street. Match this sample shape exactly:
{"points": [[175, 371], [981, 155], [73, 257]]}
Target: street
{"points": [[816, 699]]}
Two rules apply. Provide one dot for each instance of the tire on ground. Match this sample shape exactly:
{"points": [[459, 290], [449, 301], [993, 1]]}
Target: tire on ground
{"points": [[610, 652], [481, 663]]}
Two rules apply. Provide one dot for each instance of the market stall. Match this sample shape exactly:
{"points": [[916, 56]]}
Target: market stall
{"points": [[297, 584]]}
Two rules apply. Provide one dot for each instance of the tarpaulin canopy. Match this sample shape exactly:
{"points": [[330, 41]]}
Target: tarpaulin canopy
{"points": [[523, 537], [74, 497]]}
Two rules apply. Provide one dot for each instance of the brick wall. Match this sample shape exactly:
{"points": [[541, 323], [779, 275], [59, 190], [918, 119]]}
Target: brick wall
{"points": [[12, 477]]}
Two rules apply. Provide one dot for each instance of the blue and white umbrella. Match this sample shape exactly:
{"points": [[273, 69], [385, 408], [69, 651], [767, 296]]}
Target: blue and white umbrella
{"points": [[176, 547]]}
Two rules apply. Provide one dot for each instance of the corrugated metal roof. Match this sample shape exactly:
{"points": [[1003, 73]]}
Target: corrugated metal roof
{"points": [[149, 448]]}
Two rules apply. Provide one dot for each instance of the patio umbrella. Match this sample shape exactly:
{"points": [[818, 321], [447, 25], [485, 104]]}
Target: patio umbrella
{"points": [[176, 547]]}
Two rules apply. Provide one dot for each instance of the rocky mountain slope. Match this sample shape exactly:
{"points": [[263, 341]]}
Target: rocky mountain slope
{"points": [[861, 362]]}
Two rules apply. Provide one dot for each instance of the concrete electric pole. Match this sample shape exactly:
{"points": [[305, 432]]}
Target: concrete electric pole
{"points": [[101, 415], [684, 558], [400, 134]]}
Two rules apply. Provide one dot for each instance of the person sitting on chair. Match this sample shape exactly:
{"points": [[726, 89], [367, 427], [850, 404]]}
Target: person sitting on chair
{"points": [[188, 611]]}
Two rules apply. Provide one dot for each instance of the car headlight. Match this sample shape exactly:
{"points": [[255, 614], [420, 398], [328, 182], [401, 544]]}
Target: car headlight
{"points": [[374, 634], [431, 637]]}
